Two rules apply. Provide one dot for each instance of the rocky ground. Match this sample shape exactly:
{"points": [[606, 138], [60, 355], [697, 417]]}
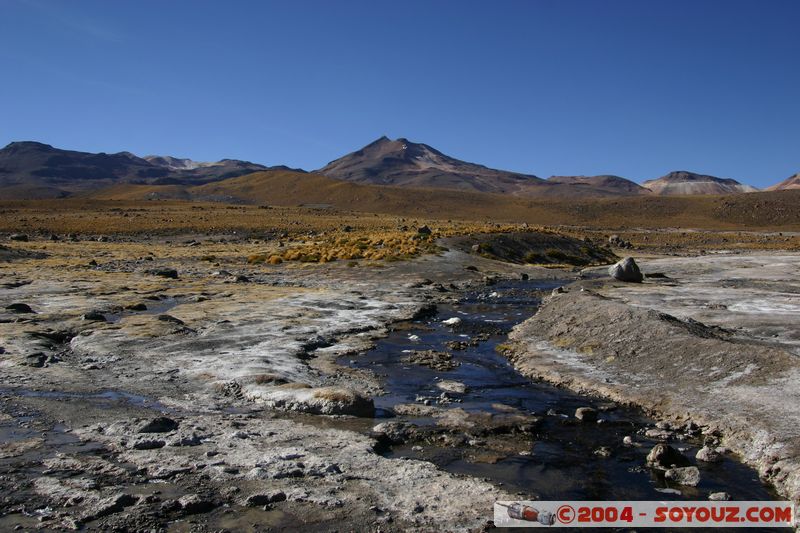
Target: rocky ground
{"points": [[166, 383], [710, 340], [161, 383]]}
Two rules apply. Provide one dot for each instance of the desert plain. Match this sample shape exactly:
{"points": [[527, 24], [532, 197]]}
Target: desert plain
{"points": [[183, 366]]}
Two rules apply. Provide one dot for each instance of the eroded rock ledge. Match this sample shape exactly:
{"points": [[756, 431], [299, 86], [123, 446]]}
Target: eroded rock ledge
{"points": [[675, 368]]}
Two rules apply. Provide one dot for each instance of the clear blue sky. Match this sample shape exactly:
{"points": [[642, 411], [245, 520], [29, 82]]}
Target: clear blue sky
{"points": [[635, 88]]}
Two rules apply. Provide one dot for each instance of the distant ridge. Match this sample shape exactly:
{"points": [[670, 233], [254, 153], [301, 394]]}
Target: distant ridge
{"points": [[682, 182], [31, 169], [792, 182], [612, 184]]}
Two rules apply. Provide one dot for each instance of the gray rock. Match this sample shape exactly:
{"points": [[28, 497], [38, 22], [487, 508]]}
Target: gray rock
{"points": [[660, 434], [719, 496], [35, 359], [451, 386], [603, 452], [164, 272], [19, 308], [436, 360], [18, 237], [171, 319], [94, 316], [160, 424], [664, 456], [189, 439], [586, 414], [148, 444], [194, 504], [688, 475], [395, 432], [108, 506], [265, 498], [708, 455], [626, 270]]}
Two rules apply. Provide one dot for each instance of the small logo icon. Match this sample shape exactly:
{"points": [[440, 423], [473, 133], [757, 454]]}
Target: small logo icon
{"points": [[519, 511], [565, 514]]}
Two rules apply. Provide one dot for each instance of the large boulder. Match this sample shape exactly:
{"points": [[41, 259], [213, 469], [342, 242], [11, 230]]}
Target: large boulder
{"points": [[626, 270]]}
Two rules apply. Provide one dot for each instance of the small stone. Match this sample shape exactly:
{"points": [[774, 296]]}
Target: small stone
{"points": [[586, 414], [688, 475], [171, 319], [21, 237], [94, 316], [452, 386], [194, 504], [660, 434], [160, 424], [664, 456], [36, 359], [19, 308], [164, 272], [708, 455], [108, 506], [395, 432], [265, 498], [719, 496], [148, 444], [603, 452]]}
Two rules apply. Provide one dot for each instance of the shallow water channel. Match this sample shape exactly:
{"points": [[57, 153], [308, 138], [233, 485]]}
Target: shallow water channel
{"points": [[562, 457]]}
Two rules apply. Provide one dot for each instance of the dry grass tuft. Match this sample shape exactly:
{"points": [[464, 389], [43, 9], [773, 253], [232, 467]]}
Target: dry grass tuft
{"points": [[294, 386], [268, 379], [334, 395]]}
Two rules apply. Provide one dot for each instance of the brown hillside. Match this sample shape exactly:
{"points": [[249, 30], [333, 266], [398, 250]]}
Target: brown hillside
{"points": [[762, 210]]}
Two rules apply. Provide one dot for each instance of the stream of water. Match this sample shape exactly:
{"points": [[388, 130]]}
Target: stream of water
{"points": [[563, 458]]}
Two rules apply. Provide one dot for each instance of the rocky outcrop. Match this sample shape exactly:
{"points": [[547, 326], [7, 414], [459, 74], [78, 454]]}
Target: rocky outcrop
{"points": [[682, 369], [319, 400]]}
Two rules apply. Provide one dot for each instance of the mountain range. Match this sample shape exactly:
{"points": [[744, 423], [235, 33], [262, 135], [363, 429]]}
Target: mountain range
{"points": [[36, 170]]}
